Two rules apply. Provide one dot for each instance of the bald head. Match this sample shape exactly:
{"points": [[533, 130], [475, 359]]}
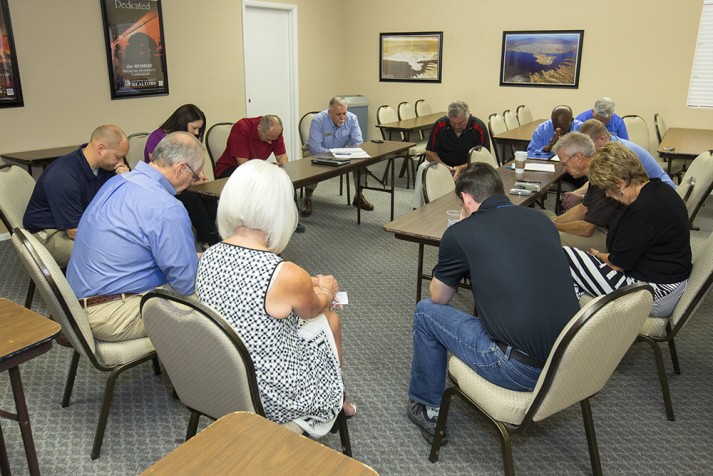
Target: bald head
{"points": [[562, 118], [109, 134]]}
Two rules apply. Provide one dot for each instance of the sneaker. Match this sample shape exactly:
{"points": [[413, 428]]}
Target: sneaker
{"points": [[417, 414]]}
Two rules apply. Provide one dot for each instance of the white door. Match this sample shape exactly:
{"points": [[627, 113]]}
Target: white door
{"points": [[270, 44]]}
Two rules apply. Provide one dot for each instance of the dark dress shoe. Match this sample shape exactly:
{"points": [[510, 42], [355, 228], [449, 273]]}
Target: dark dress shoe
{"points": [[300, 228], [360, 201], [306, 209]]}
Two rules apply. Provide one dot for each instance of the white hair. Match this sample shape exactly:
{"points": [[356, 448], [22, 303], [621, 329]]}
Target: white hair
{"points": [[604, 107], [260, 196]]}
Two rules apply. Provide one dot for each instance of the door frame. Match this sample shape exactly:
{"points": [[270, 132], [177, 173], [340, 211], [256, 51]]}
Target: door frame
{"points": [[293, 149]]}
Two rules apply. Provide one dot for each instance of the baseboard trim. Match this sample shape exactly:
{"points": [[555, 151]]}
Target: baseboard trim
{"points": [[4, 236]]}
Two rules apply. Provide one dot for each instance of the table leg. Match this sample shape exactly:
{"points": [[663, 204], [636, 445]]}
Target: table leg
{"points": [[393, 179], [359, 191], [419, 279], [23, 418], [4, 461]]}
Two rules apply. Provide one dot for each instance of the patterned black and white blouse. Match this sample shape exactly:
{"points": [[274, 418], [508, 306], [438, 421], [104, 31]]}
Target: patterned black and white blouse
{"points": [[298, 377]]}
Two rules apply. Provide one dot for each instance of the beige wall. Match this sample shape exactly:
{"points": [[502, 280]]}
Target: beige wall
{"points": [[639, 52]]}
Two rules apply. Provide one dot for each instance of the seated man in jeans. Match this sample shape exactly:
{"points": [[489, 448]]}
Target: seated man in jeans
{"points": [[522, 290]]}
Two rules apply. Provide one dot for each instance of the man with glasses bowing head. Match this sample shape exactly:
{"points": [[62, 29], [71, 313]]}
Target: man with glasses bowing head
{"points": [[136, 236], [451, 139], [504, 250]]}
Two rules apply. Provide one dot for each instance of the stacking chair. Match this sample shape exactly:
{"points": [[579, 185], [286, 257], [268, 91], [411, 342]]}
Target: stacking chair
{"points": [[386, 114], [496, 125], [137, 145], [638, 130], [677, 170], [481, 154], [660, 127], [524, 116], [582, 359], [216, 139], [417, 152], [16, 187], [697, 184], [511, 120], [112, 357], [437, 181], [209, 366], [658, 329], [423, 108]]}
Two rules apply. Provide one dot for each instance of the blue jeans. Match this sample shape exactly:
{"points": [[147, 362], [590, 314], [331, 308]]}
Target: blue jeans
{"points": [[439, 328]]}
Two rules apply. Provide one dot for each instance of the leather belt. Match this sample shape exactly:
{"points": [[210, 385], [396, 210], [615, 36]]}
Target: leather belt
{"points": [[521, 357], [93, 301]]}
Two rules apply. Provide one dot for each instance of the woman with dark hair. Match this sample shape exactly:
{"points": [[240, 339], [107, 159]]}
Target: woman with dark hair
{"points": [[650, 241], [189, 118]]}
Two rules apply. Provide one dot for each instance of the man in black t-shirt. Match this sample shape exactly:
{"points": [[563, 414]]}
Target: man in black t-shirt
{"points": [[505, 251]]}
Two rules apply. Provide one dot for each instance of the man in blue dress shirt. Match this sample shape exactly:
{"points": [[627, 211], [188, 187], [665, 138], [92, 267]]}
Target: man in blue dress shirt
{"points": [[549, 132], [136, 236], [334, 128], [603, 111]]}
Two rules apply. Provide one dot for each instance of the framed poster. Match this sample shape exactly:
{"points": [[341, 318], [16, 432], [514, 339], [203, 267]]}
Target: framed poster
{"points": [[10, 89], [541, 58], [135, 48], [415, 57]]}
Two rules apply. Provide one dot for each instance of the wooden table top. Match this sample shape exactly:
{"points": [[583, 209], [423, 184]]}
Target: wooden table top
{"points": [[22, 329], [245, 443], [686, 143], [428, 223], [519, 134], [43, 155], [422, 122], [303, 172]]}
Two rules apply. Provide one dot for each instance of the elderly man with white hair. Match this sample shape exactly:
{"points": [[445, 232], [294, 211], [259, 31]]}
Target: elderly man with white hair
{"points": [[603, 111]]}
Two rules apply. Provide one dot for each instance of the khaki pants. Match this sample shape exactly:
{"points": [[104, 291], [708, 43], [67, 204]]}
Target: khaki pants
{"points": [[57, 243], [118, 320], [598, 240]]}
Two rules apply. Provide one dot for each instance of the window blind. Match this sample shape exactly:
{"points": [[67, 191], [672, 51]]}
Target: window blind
{"points": [[700, 90]]}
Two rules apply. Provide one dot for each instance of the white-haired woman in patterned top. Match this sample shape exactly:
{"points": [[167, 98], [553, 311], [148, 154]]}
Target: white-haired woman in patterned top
{"points": [[283, 315]]}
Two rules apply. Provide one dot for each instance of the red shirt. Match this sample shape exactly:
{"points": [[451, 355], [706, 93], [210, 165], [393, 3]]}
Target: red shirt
{"points": [[244, 141]]}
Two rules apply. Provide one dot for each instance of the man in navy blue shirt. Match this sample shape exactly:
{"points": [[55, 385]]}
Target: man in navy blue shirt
{"points": [[69, 184]]}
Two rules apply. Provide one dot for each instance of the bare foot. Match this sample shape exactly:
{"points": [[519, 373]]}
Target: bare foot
{"points": [[349, 408]]}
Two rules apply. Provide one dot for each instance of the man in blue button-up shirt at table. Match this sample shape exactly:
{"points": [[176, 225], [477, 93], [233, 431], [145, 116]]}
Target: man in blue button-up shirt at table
{"points": [[136, 236], [334, 128], [549, 132]]}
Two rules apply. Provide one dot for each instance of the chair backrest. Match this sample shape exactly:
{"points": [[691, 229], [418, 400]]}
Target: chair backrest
{"points": [[137, 145], [216, 139], [481, 154], [638, 130], [384, 115], [423, 108], [589, 348], [58, 296], [209, 366], [524, 115], [437, 181], [511, 121], [16, 187], [305, 123], [660, 127], [697, 288], [406, 111], [496, 125], [697, 183]]}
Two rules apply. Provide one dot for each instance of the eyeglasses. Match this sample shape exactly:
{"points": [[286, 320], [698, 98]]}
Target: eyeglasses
{"points": [[196, 177], [563, 162]]}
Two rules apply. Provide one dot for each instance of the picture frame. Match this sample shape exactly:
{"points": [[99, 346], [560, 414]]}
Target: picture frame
{"points": [[544, 58], [135, 48], [411, 57], [10, 87]]}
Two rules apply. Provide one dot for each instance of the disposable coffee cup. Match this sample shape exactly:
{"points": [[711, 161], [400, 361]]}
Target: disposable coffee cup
{"points": [[520, 158], [453, 216]]}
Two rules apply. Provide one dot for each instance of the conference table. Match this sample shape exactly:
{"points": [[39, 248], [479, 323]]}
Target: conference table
{"points": [[24, 335], [426, 225], [39, 158], [519, 136], [246, 443], [303, 172], [685, 144], [407, 126]]}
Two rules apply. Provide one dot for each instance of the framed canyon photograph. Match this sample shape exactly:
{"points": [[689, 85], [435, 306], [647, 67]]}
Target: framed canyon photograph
{"points": [[10, 90], [411, 57], [541, 58]]}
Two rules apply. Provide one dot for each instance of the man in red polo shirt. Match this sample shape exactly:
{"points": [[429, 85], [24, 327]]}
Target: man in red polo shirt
{"points": [[252, 138]]}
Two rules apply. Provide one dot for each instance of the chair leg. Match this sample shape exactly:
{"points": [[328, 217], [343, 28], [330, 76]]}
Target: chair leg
{"points": [[156, 366], [344, 433], [591, 437], [672, 350], [192, 424], [104, 414], [441, 424], [662, 376], [69, 385], [341, 185], [349, 200], [30, 294]]}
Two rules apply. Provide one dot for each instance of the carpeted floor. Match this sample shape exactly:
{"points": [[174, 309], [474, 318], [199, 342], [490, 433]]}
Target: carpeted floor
{"points": [[378, 272]]}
